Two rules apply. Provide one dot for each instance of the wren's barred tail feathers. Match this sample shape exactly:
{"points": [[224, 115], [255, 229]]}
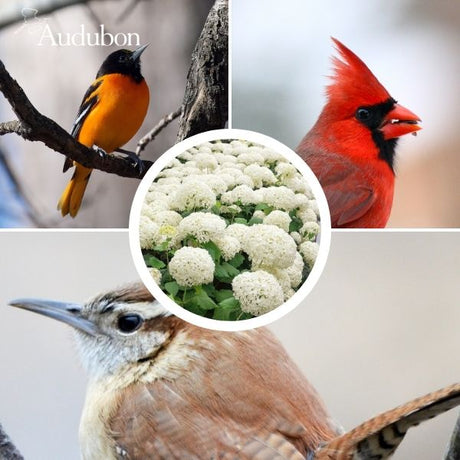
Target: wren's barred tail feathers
{"points": [[379, 437]]}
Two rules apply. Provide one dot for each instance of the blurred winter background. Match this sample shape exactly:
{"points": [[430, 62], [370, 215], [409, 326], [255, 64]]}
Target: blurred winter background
{"points": [[369, 338], [55, 80], [281, 57]]}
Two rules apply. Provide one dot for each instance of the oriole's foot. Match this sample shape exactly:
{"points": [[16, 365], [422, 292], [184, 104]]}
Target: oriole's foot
{"points": [[133, 159], [101, 152]]}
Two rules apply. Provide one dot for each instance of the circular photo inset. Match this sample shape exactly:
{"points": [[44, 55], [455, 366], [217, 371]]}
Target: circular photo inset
{"points": [[229, 229]]}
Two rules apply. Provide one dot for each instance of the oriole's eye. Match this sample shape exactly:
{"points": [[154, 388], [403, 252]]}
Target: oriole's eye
{"points": [[363, 114], [130, 322]]}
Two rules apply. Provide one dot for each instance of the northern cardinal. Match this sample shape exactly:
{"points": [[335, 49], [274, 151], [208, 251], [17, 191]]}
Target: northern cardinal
{"points": [[351, 148], [110, 114], [161, 388]]}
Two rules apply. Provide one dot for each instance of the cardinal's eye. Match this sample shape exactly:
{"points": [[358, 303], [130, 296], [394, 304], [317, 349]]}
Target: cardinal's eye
{"points": [[363, 114], [130, 322]]}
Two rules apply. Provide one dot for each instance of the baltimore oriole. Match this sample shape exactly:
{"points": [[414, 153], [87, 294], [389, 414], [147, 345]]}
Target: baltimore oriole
{"points": [[110, 114]]}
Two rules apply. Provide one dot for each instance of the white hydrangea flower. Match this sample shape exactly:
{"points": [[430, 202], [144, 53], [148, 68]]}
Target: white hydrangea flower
{"points": [[301, 201], [268, 246], [187, 155], [229, 246], [148, 232], [241, 193], [307, 215], [285, 170], [297, 184], [204, 149], [314, 206], [193, 195], [230, 209], [271, 156], [156, 196], [309, 251], [310, 228], [295, 271], [258, 214], [168, 181], [279, 197], [238, 231], [206, 161], [279, 218], [167, 233], [218, 146], [296, 237], [284, 281], [192, 267], [251, 158], [204, 226], [258, 292], [225, 158], [260, 175], [167, 217], [156, 275], [167, 189]]}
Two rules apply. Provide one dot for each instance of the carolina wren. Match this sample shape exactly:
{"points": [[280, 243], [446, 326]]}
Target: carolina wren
{"points": [[162, 388]]}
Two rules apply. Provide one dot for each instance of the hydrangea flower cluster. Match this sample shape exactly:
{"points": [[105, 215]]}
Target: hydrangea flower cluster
{"points": [[229, 229]]}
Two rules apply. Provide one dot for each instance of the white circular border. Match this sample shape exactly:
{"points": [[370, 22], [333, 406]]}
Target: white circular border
{"points": [[143, 271]]}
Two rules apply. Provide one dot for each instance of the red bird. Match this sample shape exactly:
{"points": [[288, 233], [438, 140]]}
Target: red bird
{"points": [[351, 148]]}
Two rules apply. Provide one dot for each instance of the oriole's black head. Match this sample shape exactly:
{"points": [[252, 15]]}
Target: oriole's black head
{"points": [[125, 62]]}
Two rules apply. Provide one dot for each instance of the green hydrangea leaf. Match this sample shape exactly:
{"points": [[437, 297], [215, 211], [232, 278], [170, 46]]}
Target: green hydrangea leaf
{"points": [[152, 261], [172, 288]]}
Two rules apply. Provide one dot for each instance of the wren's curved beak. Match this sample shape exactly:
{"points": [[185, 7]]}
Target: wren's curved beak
{"points": [[399, 121], [138, 51], [69, 313]]}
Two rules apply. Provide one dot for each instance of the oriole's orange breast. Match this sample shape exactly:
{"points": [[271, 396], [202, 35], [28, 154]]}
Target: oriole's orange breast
{"points": [[119, 113]]}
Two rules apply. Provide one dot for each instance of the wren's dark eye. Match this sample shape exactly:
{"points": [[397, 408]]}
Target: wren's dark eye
{"points": [[363, 114], [130, 322]]}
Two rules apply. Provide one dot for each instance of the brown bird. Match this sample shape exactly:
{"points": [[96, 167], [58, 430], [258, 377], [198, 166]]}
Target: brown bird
{"points": [[162, 388]]}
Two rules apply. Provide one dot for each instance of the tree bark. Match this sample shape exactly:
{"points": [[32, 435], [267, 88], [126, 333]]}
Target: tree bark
{"points": [[205, 104]]}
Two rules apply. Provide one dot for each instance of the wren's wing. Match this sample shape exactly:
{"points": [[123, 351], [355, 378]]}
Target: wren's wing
{"points": [[348, 195], [229, 409], [90, 99], [379, 437]]}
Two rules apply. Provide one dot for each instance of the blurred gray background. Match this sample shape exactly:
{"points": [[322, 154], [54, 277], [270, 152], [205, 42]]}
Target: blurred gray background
{"points": [[380, 328], [280, 62], [55, 80]]}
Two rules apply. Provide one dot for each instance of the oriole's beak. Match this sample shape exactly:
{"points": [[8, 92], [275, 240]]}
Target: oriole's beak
{"points": [[137, 52]]}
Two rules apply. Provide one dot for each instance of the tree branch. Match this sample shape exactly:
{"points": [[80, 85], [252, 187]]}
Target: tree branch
{"points": [[205, 104], [150, 136], [33, 126], [8, 450]]}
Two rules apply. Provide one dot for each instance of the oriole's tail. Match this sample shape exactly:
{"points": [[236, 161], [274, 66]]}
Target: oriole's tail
{"points": [[73, 194]]}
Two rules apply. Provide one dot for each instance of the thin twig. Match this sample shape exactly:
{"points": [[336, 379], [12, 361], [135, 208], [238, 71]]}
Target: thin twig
{"points": [[150, 136]]}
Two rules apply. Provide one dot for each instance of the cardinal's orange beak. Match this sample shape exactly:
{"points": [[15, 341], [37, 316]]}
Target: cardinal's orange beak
{"points": [[399, 121]]}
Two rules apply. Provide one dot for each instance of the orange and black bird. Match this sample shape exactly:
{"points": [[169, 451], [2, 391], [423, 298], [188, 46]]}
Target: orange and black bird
{"points": [[110, 114]]}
